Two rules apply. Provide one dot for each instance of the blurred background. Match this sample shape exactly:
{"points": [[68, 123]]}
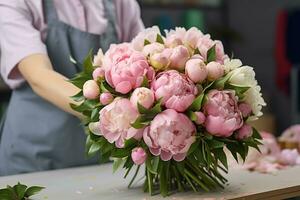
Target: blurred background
{"points": [[263, 34]]}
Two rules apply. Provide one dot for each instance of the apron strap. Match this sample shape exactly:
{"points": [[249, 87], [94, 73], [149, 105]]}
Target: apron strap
{"points": [[110, 35], [49, 11]]}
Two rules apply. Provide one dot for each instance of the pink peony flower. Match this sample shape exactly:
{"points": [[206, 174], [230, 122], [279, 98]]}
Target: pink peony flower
{"points": [[170, 135], [200, 118], [106, 98], [175, 37], [143, 96], [138, 155], [115, 122], [223, 115], [245, 109], [195, 69], [90, 89], [244, 132], [98, 73], [179, 57], [126, 68], [192, 36], [175, 89], [214, 71]]}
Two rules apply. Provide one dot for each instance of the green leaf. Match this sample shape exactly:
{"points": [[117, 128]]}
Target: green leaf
{"points": [[120, 153], [80, 79], [117, 163], [146, 42], [95, 147], [192, 116], [193, 147], [220, 83], [78, 97], [238, 88], [20, 190], [149, 165], [220, 155], [163, 179], [159, 39], [256, 134], [88, 63], [145, 82], [215, 144], [139, 123], [197, 103], [33, 190], [6, 194], [211, 54], [95, 115], [142, 109]]}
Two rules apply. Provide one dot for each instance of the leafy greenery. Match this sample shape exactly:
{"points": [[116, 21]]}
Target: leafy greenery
{"points": [[19, 192], [211, 54], [159, 39]]}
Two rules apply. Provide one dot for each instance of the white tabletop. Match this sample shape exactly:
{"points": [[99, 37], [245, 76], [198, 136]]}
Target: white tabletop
{"points": [[98, 182]]}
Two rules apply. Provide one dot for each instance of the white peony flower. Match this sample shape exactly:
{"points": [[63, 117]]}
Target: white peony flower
{"points": [[149, 34], [254, 98], [244, 76], [231, 64]]}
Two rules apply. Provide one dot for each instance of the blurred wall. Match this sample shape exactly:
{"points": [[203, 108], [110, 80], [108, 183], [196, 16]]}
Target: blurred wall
{"points": [[255, 20]]}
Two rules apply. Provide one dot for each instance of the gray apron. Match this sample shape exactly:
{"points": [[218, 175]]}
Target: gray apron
{"points": [[36, 135]]}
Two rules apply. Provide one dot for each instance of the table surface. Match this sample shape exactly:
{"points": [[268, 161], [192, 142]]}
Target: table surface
{"points": [[98, 182]]}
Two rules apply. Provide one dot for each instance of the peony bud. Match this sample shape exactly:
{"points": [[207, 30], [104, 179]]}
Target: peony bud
{"points": [[138, 155], [244, 132], [106, 98], [179, 57], [195, 69], [161, 60], [200, 118], [245, 109], [215, 71], [98, 73], [143, 96], [91, 89], [152, 48]]}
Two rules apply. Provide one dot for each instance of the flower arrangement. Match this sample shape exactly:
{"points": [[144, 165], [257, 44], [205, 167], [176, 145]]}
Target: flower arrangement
{"points": [[173, 103]]}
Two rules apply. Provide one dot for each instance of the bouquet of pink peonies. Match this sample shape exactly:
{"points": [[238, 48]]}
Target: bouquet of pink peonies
{"points": [[173, 103]]}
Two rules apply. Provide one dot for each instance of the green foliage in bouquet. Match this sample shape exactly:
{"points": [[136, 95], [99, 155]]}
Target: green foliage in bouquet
{"points": [[19, 192]]}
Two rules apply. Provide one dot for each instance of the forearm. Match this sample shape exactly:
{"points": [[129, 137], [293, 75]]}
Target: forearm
{"points": [[47, 83]]}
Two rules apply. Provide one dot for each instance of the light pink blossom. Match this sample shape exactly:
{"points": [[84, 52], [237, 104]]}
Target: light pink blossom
{"points": [[245, 109], [175, 89], [138, 155], [106, 98], [222, 114], [90, 89], [115, 122], [143, 96], [99, 72], [170, 135], [244, 132], [200, 118], [179, 57], [214, 71], [196, 70], [126, 68]]}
